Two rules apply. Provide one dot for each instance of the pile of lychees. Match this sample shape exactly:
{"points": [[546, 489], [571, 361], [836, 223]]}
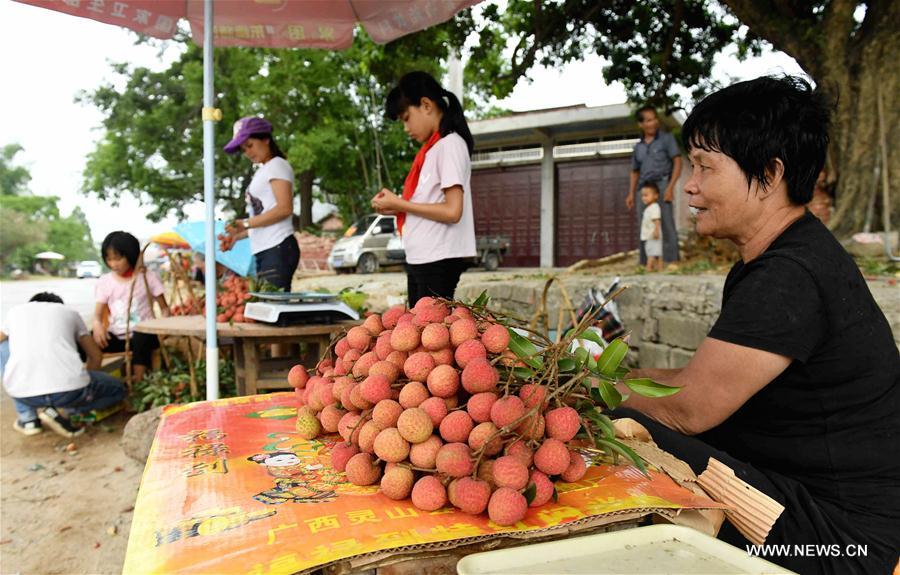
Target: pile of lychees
{"points": [[426, 403]]}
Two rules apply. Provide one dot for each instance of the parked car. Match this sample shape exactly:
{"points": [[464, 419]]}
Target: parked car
{"points": [[491, 250], [364, 245], [88, 269]]}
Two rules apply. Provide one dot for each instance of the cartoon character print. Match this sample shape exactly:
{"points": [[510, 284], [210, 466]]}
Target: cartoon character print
{"points": [[256, 205], [118, 314], [295, 480]]}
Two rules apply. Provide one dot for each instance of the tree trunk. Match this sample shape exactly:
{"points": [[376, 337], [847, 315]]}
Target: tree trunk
{"points": [[305, 189], [851, 64]]}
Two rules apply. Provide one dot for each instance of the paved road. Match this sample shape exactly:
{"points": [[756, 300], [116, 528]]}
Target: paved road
{"points": [[78, 294]]}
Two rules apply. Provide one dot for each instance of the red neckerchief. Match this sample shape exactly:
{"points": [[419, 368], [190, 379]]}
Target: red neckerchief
{"points": [[129, 273], [412, 178]]}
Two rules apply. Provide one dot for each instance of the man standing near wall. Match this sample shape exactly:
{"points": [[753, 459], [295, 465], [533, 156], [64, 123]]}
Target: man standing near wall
{"points": [[656, 159]]}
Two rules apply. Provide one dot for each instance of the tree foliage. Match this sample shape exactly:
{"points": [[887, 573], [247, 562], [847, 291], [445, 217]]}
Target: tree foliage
{"points": [[32, 224]]}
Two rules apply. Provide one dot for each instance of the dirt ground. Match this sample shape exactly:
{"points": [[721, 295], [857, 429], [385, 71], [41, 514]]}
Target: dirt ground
{"points": [[65, 511]]}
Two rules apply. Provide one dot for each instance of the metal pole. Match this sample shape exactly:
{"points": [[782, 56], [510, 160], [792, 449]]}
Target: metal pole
{"points": [[209, 172]]}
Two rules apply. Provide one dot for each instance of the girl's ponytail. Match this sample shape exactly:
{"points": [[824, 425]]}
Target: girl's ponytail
{"points": [[417, 85], [454, 120]]}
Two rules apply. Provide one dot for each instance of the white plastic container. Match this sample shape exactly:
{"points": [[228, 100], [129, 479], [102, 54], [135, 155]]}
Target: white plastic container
{"points": [[654, 549]]}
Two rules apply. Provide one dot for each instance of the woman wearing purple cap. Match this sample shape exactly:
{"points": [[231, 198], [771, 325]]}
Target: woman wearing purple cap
{"points": [[270, 203]]}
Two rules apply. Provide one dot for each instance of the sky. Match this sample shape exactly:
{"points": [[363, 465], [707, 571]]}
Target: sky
{"points": [[49, 57]]}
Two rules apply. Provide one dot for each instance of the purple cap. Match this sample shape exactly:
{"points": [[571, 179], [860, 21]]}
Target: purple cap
{"points": [[244, 128]]}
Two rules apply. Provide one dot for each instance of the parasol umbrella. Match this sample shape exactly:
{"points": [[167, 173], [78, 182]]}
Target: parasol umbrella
{"points": [[238, 259], [49, 256], [262, 23], [170, 240]]}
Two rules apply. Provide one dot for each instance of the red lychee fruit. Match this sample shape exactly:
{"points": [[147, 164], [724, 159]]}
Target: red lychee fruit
{"points": [[479, 406], [543, 488], [495, 338], [415, 425], [359, 338], [390, 317], [443, 381], [330, 417], [435, 336], [341, 347], [347, 424], [386, 413], [507, 507], [479, 376], [357, 399], [443, 356], [364, 364], [532, 394], [387, 369], [423, 455], [341, 454], [428, 310], [509, 472], [532, 427], [486, 471], [481, 433], [453, 459], [418, 366], [576, 469], [405, 337], [470, 495], [413, 394], [456, 427], [373, 325], [435, 408], [375, 388], [390, 445], [383, 345], [562, 423], [520, 450], [462, 331], [307, 425], [362, 470], [506, 410], [469, 350], [397, 482], [428, 494], [552, 457], [298, 376], [367, 434], [398, 358]]}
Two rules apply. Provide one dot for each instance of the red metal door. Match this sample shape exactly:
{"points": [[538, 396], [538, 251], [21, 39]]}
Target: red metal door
{"points": [[507, 201], [591, 218]]}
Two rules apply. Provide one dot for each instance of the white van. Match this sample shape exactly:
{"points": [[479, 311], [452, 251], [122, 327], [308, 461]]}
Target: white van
{"points": [[364, 245]]}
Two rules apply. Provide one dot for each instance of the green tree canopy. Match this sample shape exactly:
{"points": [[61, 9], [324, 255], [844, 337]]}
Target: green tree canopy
{"points": [[13, 179]]}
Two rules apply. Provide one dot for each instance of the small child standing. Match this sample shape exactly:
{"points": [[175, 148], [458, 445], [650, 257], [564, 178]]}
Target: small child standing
{"points": [[650, 226], [120, 251]]}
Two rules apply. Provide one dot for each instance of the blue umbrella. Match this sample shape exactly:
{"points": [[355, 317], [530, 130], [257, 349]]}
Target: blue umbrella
{"points": [[238, 259]]}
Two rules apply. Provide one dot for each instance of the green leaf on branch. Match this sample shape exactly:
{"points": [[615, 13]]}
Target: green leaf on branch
{"points": [[524, 349], [603, 423], [523, 373], [566, 365], [622, 372], [622, 449], [611, 357], [482, 299], [610, 395], [649, 388], [530, 493], [581, 357]]}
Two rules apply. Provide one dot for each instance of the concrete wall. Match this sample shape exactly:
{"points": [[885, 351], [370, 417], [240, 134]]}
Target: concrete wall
{"points": [[668, 315]]}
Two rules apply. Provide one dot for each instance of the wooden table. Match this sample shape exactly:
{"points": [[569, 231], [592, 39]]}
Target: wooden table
{"points": [[252, 370]]}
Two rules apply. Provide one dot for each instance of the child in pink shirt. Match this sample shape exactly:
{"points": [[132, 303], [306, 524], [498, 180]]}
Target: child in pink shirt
{"points": [[120, 251]]}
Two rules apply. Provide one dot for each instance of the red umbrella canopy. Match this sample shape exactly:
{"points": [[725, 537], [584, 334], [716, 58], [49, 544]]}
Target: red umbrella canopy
{"points": [[269, 23]]}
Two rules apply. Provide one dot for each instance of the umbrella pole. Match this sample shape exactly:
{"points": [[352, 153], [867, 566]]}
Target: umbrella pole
{"points": [[209, 166]]}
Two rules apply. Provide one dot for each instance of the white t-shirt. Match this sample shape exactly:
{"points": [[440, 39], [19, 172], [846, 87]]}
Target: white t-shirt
{"points": [[260, 199], [447, 164], [113, 291], [43, 350], [651, 213]]}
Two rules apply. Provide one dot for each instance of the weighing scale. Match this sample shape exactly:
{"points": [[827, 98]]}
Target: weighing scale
{"points": [[295, 308]]}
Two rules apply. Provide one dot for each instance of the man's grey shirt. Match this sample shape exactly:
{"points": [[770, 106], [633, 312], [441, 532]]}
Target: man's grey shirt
{"points": [[654, 160]]}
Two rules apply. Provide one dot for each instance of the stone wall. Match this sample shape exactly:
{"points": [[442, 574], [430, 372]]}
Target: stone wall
{"points": [[667, 315]]}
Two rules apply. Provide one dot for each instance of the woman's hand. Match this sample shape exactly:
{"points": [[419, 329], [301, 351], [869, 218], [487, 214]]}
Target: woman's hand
{"points": [[233, 232], [387, 202]]}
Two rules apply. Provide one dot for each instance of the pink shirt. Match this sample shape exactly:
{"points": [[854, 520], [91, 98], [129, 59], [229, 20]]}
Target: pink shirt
{"points": [[447, 164], [113, 291]]}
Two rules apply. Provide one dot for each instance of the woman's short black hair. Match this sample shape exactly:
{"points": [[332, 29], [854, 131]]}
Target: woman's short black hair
{"points": [[46, 296], [758, 121], [124, 244]]}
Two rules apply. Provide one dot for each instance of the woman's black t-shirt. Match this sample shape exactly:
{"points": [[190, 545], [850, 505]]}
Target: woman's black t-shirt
{"points": [[831, 420]]}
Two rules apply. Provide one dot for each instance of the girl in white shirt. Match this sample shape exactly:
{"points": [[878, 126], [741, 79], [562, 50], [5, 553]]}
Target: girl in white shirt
{"points": [[434, 214], [270, 200]]}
